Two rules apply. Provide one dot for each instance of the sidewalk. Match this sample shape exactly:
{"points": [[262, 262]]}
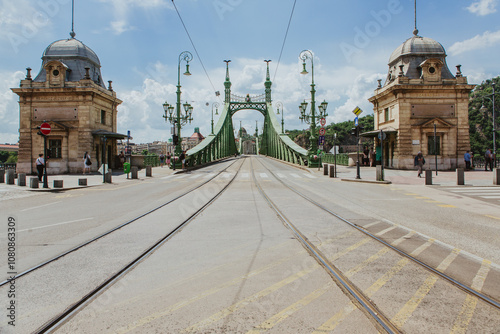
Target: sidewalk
{"points": [[476, 177], [70, 181]]}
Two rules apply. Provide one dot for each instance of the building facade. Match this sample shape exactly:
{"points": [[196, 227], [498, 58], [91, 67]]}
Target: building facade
{"points": [[422, 107], [70, 95]]}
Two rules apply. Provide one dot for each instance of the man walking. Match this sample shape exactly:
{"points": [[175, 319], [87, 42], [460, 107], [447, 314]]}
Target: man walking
{"points": [[488, 160], [420, 162], [467, 158], [40, 165]]}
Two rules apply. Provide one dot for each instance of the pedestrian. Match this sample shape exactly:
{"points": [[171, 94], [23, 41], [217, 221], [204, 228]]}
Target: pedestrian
{"points": [[366, 156], [420, 162], [372, 157], [168, 158], [122, 158], [87, 162], [467, 159], [162, 160], [182, 158], [488, 160], [40, 165]]}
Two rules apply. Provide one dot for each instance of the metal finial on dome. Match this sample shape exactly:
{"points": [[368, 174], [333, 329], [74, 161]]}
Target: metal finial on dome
{"points": [[415, 31]]}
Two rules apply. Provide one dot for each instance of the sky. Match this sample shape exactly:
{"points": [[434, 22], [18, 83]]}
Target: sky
{"points": [[139, 42]]}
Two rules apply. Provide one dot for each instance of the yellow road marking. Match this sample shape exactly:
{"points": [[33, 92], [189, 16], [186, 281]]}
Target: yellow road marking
{"points": [[279, 317], [492, 217], [463, 319], [422, 247], [447, 206], [421, 197], [478, 281]]}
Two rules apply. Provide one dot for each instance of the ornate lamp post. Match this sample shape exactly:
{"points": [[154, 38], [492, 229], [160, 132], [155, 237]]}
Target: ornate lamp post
{"points": [[178, 119], [484, 109], [311, 117], [216, 104], [278, 106]]}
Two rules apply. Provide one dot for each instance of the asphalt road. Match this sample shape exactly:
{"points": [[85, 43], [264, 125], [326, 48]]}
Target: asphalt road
{"points": [[237, 268]]}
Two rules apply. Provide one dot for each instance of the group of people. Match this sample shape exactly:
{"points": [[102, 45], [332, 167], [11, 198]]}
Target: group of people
{"points": [[489, 161], [166, 159], [368, 157]]}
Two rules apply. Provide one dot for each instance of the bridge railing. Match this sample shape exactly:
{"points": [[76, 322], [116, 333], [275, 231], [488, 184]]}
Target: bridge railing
{"points": [[241, 99]]}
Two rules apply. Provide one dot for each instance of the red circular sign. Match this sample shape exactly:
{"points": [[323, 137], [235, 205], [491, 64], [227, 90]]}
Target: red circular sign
{"points": [[322, 122], [45, 128], [322, 131]]}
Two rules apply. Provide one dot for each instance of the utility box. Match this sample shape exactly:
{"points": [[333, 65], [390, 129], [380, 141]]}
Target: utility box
{"points": [[126, 167]]}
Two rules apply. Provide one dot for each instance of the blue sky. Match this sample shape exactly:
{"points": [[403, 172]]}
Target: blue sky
{"points": [[139, 41]]}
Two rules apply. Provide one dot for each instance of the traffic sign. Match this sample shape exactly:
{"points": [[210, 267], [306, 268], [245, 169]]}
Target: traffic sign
{"points": [[321, 140], [382, 135], [322, 131], [357, 111], [356, 123], [322, 122], [45, 128]]}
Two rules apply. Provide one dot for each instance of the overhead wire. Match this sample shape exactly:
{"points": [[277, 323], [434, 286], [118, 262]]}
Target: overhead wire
{"points": [[284, 40], [195, 50]]}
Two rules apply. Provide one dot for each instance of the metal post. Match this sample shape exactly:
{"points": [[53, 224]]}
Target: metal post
{"points": [[435, 150], [382, 152], [494, 129], [335, 154], [45, 181], [104, 159]]}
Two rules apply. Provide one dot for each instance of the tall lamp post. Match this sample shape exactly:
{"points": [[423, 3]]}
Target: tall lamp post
{"points": [[216, 105], [278, 106], [311, 117], [484, 109], [178, 119]]}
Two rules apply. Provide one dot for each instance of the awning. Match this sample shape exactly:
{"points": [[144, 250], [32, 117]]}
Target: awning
{"points": [[108, 134], [375, 133]]}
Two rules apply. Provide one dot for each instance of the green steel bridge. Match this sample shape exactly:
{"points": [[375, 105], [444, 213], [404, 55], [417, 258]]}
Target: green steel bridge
{"points": [[221, 143]]}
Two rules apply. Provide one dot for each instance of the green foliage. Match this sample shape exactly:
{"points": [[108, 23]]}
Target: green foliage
{"points": [[8, 157], [480, 122], [145, 152]]}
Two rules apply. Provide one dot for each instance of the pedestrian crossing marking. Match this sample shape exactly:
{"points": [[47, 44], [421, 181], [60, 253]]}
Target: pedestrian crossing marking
{"points": [[295, 175], [263, 175], [310, 176]]}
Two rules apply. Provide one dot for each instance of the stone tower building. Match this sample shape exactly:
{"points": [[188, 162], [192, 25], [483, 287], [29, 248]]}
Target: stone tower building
{"points": [[70, 95], [421, 97]]}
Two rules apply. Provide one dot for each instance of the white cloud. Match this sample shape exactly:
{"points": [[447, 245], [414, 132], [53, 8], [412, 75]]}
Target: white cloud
{"points": [[9, 107], [487, 39], [483, 7]]}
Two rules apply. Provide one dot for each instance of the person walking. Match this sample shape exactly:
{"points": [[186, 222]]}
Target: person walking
{"points": [[467, 159], [372, 157], [40, 165], [488, 160], [87, 162], [420, 162], [182, 158], [162, 160], [168, 159]]}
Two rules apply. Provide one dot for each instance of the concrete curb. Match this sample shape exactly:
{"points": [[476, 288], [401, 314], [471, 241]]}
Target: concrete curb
{"points": [[366, 181]]}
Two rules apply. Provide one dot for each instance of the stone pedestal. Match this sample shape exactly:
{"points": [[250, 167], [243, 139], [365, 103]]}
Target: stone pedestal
{"points": [[428, 177], [108, 177], [82, 182], [149, 171], [2, 175], [332, 171], [496, 176], [21, 179], [58, 183], [34, 182], [379, 173], [9, 176], [325, 169], [135, 172]]}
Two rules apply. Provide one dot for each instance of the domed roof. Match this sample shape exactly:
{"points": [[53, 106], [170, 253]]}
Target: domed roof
{"points": [[70, 48], [76, 56], [418, 46]]}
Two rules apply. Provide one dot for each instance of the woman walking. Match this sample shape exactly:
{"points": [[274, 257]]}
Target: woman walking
{"points": [[86, 163]]}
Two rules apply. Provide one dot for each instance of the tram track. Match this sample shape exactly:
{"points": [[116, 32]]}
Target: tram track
{"points": [[57, 321], [445, 277], [350, 289], [114, 229]]}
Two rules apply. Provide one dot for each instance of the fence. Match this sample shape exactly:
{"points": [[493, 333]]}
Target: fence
{"points": [[478, 162], [8, 166], [342, 159], [151, 160]]}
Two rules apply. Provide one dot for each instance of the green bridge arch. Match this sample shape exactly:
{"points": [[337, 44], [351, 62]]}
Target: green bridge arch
{"points": [[221, 144]]}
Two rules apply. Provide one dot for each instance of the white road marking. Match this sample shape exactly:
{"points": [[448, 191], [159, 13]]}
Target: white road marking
{"points": [[41, 206], [295, 175], [263, 175], [63, 223]]}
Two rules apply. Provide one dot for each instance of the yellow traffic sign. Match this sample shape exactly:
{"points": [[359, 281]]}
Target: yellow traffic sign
{"points": [[357, 111]]}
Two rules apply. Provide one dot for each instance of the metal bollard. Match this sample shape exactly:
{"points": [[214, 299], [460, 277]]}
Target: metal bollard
{"points": [[332, 171], [428, 177], [496, 176], [82, 182], [2, 175], [21, 179], [379, 172], [460, 177], [10, 176], [108, 176], [325, 169], [135, 172], [58, 183], [149, 171], [34, 182]]}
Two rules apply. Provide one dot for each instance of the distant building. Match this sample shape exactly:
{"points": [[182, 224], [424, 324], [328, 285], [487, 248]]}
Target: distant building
{"points": [[419, 95], [70, 95], [9, 147]]}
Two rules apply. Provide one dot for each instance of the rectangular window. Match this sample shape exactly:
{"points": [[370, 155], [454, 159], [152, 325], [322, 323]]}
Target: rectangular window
{"points": [[430, 146], [103, 117], [55, 149], [386, 115]]}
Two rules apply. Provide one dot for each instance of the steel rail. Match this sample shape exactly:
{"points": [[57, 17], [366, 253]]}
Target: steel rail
{"points": [[72, 310], [442, 275], [344, 283], [86, 243]]}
